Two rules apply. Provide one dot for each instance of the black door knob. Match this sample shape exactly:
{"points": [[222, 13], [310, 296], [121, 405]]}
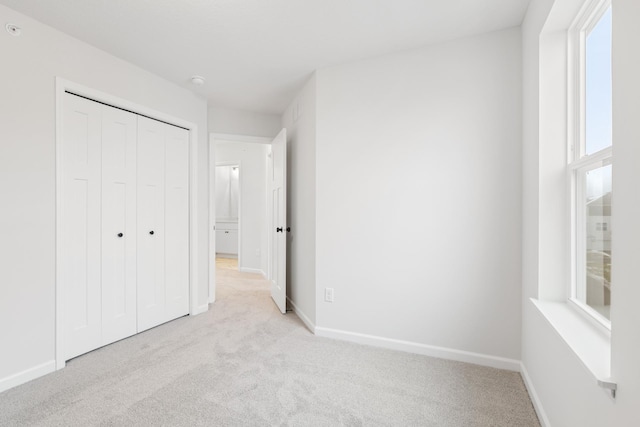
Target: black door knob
{"points": [[288, 229], [151, 232], [279, 230], [120, 234]]}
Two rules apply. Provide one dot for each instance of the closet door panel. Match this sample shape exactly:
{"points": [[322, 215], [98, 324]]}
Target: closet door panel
{"points": [[80, 225], [119, 134], [177, 222], [150, 206]]}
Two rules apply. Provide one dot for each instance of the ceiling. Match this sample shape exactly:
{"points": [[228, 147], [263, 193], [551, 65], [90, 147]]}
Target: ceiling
{"points": [[256, 54]]}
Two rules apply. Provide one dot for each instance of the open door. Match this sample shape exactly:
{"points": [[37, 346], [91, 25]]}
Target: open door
{"points": [[278, 220]]}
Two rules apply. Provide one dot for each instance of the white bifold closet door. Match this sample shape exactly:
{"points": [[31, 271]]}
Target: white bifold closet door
{"points": [[124, 224], [99, 224], [80, 225], [119, 134], [163, 222]]}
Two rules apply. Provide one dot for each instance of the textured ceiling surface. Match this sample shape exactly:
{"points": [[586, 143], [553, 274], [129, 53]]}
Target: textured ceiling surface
{"points": [[255, 54]]}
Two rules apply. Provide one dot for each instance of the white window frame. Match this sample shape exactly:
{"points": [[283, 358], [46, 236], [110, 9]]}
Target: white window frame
{"points": [[578, 162]]}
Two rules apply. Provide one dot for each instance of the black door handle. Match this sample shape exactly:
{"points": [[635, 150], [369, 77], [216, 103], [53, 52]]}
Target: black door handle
{"points": [[120, 234], [151, 232], [288, 229], [278, 229]]}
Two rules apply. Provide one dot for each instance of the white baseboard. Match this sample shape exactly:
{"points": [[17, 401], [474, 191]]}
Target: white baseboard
{"points": [[307, 322], [228, 256], [27, 375], [537, 404], [200, 309], [424, 349], [252, 270]]}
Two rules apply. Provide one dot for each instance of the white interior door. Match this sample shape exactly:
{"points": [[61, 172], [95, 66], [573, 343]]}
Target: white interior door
{"points": [[151, 236], [278, 232], [119, 134], [80, 225], [163, 222]]}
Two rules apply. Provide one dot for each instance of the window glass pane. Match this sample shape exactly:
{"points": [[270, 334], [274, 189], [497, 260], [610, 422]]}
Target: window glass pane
{"points": [[598, 240], [598, 86]]}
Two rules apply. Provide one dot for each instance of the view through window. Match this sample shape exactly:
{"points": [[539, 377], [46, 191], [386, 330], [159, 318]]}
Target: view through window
{"points": [[593, 167]]}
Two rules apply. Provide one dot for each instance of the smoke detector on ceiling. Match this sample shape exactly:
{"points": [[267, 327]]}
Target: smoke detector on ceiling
{"points": [[14, 30], [197, 80]]}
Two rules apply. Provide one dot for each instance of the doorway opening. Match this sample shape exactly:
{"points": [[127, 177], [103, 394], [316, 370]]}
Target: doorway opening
{"points": [[248, 209]]}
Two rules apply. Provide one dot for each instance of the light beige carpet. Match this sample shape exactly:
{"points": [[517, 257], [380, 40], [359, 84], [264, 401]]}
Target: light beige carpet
{"points": [[244, 363]]}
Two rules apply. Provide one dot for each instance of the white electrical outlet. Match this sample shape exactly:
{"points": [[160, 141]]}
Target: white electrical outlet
{"points": [[328, 294]]}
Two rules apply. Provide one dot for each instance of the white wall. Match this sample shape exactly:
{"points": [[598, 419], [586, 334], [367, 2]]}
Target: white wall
{"points": [[565, 391], [227, 192], [625, 315], [27, 174], [237, 122], [253, 195], [300, 121], [418, 196]]}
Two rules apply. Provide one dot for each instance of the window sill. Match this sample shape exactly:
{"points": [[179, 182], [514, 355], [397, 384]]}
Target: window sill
{"points": [[590, 344]]}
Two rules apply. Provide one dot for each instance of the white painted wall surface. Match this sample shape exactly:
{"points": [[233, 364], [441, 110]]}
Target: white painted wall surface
{"points": [[300, 121], [27, 174], [238, 122], [564, 390], [625, 314], [418, 195], [252, 158], [227, 192]]}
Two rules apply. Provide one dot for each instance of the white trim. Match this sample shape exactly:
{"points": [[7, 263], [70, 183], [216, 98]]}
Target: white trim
{"points": [[63, 85], [591, 315], [535, 399], [27, 375], [252, 271], [588, 342], [193, 223], [200, 309], [424, 349], [578, 161], [212, 221], [240, 138], [226, 256], [59, 300], [589, 14], [578, 233], [305, 319], [587, 18], [598, 159]]}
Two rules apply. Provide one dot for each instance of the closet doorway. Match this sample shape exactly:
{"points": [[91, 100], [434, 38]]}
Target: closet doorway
{"points": [[126, 230]]}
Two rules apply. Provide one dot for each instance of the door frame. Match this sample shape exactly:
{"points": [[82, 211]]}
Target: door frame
{"points": [[62, 86], [214, 138]]}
